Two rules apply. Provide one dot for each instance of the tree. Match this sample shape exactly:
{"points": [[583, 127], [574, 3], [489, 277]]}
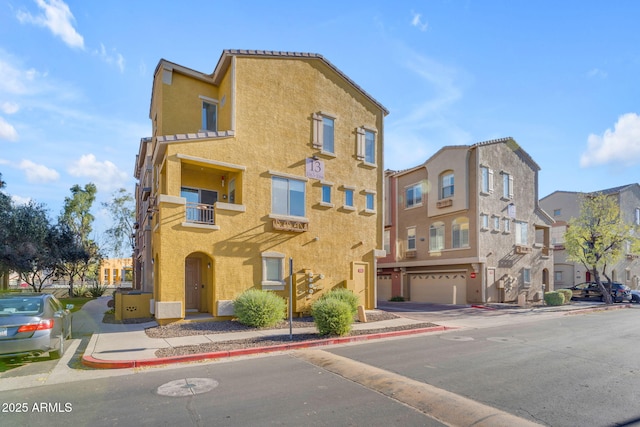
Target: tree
{"points": [[76, 216], [35, 249], [5, 209], [597, 237], [122, 209]]}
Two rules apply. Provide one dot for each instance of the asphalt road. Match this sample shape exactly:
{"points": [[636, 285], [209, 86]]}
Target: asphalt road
{"points": [[574, 370]]}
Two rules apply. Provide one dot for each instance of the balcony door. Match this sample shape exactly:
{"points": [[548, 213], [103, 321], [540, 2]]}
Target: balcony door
{"points": [[195, 198]]}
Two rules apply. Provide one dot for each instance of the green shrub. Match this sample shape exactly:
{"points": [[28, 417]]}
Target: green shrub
{"points": [[568, 294], [332, 316], [344, 295], [397, 298], [259, 308], [97, 290], [554, 298]]}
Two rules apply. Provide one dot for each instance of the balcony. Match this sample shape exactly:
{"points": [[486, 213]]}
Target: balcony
{"points": [[200, 213]]}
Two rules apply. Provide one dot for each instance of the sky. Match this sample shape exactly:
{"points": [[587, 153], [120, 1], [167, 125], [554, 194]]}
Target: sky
{"points": [[560, 77]]}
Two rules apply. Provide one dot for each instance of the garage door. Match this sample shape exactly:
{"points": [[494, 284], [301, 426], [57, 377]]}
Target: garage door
{"points": [[384, 288], [439, 288]]}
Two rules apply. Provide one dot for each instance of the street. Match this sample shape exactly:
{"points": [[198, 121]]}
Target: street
{"points": [[571, 370]]}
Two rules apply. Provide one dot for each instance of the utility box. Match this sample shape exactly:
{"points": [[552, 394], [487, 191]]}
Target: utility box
{"points": [[132, 305]]}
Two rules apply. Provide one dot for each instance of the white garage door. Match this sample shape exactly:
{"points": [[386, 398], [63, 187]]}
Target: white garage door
{"points": [[384, 288], [439, 288]]}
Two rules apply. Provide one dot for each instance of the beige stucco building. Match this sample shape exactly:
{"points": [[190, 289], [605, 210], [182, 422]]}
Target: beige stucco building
{"points": [[465, 227], [565, 205], [271, 157]]}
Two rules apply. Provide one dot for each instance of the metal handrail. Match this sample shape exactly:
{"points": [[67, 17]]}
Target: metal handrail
{"points": [[200, 213]]}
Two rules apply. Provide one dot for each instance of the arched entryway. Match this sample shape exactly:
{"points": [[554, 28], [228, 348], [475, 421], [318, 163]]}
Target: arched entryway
{"points": [[198, 279]]}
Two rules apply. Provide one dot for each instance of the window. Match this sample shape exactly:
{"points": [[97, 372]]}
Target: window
{"points": [[460, 233], [557, 276], [507, 186], [496, 223], [209, 116], [507, 225], [637, 216], [369, 146], [287, 196], [273, 270], [411, 239], [526, 276], [557, 212], [436, 237], [327, 135], [324, 132], [387, 241], [326, 194], [446, 185], [369, 202], [484, 221], [487, 180], [522, 231], [413, 196], [199, 204], [348, 197]]}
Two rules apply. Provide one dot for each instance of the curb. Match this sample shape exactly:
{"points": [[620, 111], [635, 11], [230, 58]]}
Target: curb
{"points": [[93, 362]]}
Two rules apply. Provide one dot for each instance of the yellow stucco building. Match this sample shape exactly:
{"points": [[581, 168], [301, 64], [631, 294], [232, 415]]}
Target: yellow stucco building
{"points": [[273, 156]]}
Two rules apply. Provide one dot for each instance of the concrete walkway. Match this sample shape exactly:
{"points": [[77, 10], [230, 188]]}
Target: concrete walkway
{"points": [[128, 346]]}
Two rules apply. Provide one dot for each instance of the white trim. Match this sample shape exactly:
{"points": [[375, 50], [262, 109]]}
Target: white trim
{"points": [[211, 162], [287, 175], [229, 207], [209, 100], [176, 200]]}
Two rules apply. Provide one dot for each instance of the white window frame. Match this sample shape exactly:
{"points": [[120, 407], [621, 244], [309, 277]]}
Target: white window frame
{"points": [[526, 276], [506, 225], [486, 179], [270, 283], [319, 133], [496, 223], [204, 117], [436, 237], [411, 237], [329, 187], [460, 226], [415, 189], [522, 233], [349, 191], [447, 181], [507, 185], [484, 221], [289, 179], [370, 201]]}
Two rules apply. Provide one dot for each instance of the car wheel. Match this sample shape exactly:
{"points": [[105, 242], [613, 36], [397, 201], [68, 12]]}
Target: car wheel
{"points": [[57, 353]]}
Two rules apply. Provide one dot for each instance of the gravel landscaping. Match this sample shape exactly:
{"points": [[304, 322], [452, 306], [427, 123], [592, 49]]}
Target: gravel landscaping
{"points": [[221, 327]]}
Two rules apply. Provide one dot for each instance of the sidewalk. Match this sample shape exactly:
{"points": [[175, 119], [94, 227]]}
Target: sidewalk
{"points": [[127, 345]]}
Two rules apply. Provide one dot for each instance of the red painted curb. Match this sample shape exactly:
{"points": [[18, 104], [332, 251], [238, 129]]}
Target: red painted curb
{"points": [[92, 362]]}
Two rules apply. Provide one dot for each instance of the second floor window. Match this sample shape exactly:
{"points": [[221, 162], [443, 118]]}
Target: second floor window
{"points": [[370, 202], [522, 233], [287, 196], [326, 194], [487, 179], [507, 186], [436, 236], [411, 239], [446, 185], [348, 198], [327, 135], [209, 116], [460, 233], [413, 196]]}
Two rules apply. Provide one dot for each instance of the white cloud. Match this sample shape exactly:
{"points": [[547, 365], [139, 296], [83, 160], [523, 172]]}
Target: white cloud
{"points": [[58, 19], [620, 145], [7, 131], [39, 174], [417, 22], [597, 73], [18, 200], [111, 57], [105, 175], [14, 80], [9, 107]]}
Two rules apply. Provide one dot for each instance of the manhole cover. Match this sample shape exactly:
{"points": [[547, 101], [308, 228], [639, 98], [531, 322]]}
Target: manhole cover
{"points": [[187, 387], [455, 338], [504, 339]]}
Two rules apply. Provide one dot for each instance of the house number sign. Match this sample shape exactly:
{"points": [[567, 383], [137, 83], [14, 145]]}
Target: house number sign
{"points": [[315, 168]]}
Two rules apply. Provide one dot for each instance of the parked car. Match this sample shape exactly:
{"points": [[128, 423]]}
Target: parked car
{"points": [[33, 324], [591, 291], [635, 296]]}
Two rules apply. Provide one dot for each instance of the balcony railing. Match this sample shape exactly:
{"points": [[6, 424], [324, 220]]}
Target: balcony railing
{"points": [[200, 213]]}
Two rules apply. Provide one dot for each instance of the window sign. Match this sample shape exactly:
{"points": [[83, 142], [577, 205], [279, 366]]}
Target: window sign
{"points": [[315, 168]]}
